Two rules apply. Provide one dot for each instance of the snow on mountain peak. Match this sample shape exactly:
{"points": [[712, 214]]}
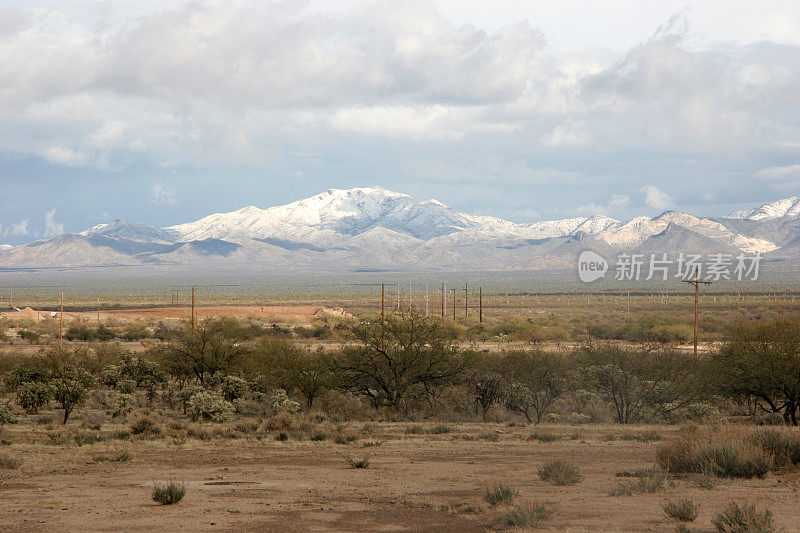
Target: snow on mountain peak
{"points": [[787, 207]]}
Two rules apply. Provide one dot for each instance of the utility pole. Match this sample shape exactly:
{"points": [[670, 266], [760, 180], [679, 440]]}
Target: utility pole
{"points": [[480, 304], [192, 310], [628, 309], [696, 282], [466, 300], [454, 305], [444, 300], [98, 309], [61, 325]]}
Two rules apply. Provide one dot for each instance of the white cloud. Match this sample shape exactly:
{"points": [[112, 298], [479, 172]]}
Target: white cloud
{"points": [[780, 174], [62, 155], [18, 228], [571, 133], [163, 194], [615, 207], [51, 227], [657, 199]]}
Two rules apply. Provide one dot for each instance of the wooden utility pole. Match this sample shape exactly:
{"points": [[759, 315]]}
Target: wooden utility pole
{"points": [[696, 282], [61, 325], [192, 310], [466, 300], [454, 305], [480, 304]]}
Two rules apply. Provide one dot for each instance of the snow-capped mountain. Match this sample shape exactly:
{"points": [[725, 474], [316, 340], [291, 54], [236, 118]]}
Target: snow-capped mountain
{"points": [[372, 227], [788, 207]]}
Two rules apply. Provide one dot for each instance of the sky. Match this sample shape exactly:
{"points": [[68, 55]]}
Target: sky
{"points": [[163, 113]]}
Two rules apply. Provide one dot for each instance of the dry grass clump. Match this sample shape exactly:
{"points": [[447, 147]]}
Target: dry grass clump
{"points": [[743, 519], [168, 494], [145, 426], [647, 482], [6, 461], [499, 493], [682, 510], [527, 516], [723, 451], [545, 437], [121, 457], [357, 463], [560, 472]]}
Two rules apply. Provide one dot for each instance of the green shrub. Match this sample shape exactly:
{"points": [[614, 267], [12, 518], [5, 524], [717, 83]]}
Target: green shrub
{"points": [[783, 445], [126, 386], [281, 403], [499, 493], [743, 519], [560, 472], [682, 510], [528, 516], [233, 388], [205, 407], [168, 494], [7, 417], [33, 395], [318, 436], [29, 335]]}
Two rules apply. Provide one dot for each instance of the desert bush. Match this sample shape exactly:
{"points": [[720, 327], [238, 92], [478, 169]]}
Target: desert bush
{"points": [[527, 516], [202, 354], [560, 472], [126, 386], [29, 335], [233, 388], [6, 461], [168, 494], [280, 402], [206, 407], [784, 446], [415, 429], [358, 463], [124, 405], [440, 429], [145, 426], [536, 379], [33, 395], [682, 510], [499, 494], [647, 482], [743, 519], [69, 393], [6, 416], [318, 436], [726, 452]]}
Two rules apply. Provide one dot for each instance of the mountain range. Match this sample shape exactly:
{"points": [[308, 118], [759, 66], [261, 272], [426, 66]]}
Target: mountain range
{"points": [[371, 228]]}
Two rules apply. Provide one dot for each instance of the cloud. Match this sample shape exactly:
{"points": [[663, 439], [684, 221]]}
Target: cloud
{"points": [[62, 155], [657, 199], [18, 228], [789, 173], [51, 227], [571, 133], [163, 194], [614, 207]]}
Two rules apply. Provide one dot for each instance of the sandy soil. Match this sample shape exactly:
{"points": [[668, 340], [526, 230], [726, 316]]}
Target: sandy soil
{"points": [[299, 312], [414, 483]]}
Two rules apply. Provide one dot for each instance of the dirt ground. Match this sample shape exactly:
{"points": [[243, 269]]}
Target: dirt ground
{"points": [[415, 482], [299, 312]]}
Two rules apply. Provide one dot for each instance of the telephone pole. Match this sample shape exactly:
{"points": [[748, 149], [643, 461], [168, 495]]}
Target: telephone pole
{"points": [[480, 305], [444, 300], [192, 310], [466, 300], [696, 282], [61, 325]]}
